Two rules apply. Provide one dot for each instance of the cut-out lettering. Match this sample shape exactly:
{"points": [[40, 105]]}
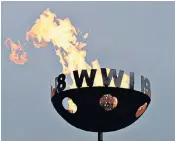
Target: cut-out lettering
{"points": [[60, 82], [112, 73], [84, 74], [145, 85], [131, 81]]}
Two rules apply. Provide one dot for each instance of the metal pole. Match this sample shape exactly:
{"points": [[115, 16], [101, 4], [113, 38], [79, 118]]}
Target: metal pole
{"points": [[100, 136]]}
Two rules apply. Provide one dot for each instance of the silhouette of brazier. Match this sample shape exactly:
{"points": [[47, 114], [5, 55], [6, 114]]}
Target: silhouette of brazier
{"points": [[102, 108]]}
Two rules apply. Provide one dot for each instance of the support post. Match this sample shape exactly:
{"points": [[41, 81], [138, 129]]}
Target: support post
{"points": [[100, 136]]}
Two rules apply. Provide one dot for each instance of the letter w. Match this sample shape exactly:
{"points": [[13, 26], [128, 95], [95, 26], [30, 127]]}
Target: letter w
{"points": [[112, 73], [89, 80]]}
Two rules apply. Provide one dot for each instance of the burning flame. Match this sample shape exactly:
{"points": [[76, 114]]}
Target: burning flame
{"points": [[17, 55], [63, 35]]}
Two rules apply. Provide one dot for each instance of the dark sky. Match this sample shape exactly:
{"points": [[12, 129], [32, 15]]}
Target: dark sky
{"points": [[133, 36]]}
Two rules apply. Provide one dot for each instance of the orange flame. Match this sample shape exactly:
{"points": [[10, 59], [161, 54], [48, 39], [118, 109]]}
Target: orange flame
{"points": [[141, 110], [15, 55], [63, 35]]}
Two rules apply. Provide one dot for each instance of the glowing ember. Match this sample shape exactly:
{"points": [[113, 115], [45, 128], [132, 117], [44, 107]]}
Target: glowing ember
{"points": [[85, 36], [108, 102], [141, 110], [63, 35]]}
